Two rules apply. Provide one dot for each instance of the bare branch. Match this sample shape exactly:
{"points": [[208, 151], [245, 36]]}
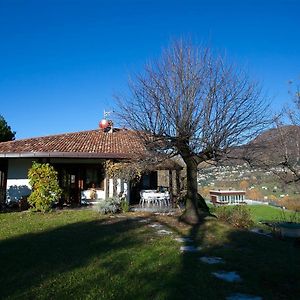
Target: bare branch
{"points": [[193, 103]]}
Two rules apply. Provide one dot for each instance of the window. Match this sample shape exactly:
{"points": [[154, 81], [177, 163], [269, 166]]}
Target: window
{"points": [[94, 178]]}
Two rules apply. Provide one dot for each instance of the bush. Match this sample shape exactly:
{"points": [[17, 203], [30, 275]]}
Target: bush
{"points": [[124, 206], [238, 216], [112, 205], [294, 217], [223, 213], [291, 204], [45, 187], [109, 206]]}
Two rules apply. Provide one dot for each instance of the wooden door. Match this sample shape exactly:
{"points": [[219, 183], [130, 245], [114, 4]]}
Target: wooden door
{"points": [[71, 184]]}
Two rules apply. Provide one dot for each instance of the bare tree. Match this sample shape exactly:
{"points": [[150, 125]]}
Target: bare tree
{"points": [[293, 160], [191, 103], [278, 149], [286, 162], [294, 112]]}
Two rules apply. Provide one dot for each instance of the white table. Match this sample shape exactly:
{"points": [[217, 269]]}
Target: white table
{"points": [[152, 197]]}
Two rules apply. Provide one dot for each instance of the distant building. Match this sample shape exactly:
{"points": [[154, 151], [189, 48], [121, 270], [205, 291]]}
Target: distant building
{"points": [[227, 196]]}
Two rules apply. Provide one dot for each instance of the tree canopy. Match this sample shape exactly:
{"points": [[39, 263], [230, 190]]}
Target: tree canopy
{"points": [[278, 149], [6, 134], [192, 103]]}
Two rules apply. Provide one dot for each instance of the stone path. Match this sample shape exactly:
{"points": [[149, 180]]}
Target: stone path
{"points": [[261, 232], [190, 249], [183, 240], [144, 221], [228, 276], [212, 260], [243, 297], [155, 225], [164, 232]]}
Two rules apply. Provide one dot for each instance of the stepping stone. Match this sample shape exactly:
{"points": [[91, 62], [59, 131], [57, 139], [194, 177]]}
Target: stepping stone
{"points": [[261, 232], [170, 214], [243, 297], [211, 260], [227, 276], [190, 249], [144, 221], [164, 232], [155, 225], [183, 240]]}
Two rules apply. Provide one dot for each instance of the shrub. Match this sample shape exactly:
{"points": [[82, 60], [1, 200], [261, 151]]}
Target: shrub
{"points": [[109, 206], [113, 205], [45, 187], [294, 217], [223, 213], [124, 206], [238, 216], [292, 204]]}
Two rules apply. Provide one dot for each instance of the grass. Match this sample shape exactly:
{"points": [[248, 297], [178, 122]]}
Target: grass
{"points": [[269, 213], [80, 255], [265, 213]]}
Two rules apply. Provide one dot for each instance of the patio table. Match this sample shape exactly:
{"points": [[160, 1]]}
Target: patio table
{"points": [[152, 197]]}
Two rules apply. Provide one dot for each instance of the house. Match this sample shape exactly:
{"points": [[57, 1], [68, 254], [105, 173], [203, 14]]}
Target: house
{"points": [[80, 160], [227, 196]]}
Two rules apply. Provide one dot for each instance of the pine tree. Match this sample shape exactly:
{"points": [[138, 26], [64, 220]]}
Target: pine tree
{"points": [[6, 134]]}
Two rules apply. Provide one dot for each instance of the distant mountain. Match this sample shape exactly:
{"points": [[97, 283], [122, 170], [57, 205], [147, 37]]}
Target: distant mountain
{"points": [[272, 147], [288, 134]]}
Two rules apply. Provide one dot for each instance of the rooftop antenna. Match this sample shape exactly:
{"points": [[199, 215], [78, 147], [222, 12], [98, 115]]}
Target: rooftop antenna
{"points": [[106, 114]]}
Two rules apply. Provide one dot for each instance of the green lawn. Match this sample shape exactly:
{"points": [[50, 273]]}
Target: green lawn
{"points": [[78, 254], [269, 213]]}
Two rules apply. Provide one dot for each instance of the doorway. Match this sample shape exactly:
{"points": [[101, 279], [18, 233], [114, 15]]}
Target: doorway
{"points": [[147, 182]]}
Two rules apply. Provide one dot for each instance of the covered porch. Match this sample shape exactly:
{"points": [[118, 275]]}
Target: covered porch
{"points": [[158, 189], [84, 181]]}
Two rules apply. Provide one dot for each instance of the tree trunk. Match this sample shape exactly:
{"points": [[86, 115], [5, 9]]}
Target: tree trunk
{"points": [[196, 207]]}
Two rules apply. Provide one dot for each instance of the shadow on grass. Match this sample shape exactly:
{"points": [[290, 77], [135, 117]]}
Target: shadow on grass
{"points": [[124, 259], [193, 279], [29, 260], [105, 259], [269, 267]]}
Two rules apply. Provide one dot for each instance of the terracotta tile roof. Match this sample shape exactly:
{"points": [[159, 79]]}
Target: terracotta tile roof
{"points": [[121, 143]]}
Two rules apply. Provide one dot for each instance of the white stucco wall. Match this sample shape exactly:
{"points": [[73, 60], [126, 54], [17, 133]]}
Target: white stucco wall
{"points": [[17, 180]]}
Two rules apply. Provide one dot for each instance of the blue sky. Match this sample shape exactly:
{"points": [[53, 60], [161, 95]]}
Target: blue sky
{"points": [[61, 61]]}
